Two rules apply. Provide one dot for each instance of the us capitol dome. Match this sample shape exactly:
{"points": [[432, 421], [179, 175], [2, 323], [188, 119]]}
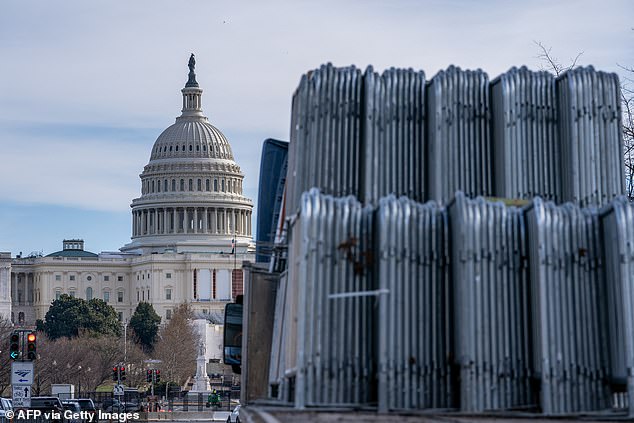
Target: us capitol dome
{"points": [[191, 190]]}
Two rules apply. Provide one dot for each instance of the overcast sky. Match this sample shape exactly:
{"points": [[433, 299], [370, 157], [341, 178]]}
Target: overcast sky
{"points": [[86, 87]]}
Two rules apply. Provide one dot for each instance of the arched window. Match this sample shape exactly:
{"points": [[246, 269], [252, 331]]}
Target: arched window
{"points": [[173, 184], [191, 184], [165, 185], [88, 294], [216, 185], [223, 185], [182, 185], [152, 186], [207, 184], [191, 147], [158, 186], [200, 186]]}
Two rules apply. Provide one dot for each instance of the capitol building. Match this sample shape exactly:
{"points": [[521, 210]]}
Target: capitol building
{"points": [[191, 231]]}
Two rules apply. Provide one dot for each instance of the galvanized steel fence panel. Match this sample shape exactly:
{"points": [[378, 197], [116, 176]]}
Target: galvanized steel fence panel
{"points": [[568, 308], [413, 322], [393, 132], [590, 136], [459, 155], [618, 246], [526, 147], [490, 305], [325, 133], [335, 331]]}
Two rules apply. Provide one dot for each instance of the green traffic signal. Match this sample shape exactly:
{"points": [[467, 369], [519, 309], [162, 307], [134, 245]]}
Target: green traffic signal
{"points": [[14, 349]]}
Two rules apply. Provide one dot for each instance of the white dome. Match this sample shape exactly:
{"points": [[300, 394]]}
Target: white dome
{"points": [[191, 189], [191, 137]]}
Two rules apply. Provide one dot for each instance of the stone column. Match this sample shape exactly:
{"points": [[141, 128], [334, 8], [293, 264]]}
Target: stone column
{"points": [[14, 287], [226, 227], [185, 220], [206, 220], [214, 221], [195, 220], [165, 220]]}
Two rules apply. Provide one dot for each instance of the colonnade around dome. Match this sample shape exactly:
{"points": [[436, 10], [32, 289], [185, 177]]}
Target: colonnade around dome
{"points": [[191, 220]]}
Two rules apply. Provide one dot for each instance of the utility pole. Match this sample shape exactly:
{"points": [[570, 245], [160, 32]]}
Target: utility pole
{"points": [[125, 341]]}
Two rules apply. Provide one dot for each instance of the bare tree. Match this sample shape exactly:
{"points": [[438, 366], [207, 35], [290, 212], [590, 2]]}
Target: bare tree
{"points": [[5, 362], [552, 64], [178, 347], [627, 100]]}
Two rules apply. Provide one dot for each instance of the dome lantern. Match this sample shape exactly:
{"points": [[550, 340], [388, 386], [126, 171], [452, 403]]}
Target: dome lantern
{"points": [[192, 94]]}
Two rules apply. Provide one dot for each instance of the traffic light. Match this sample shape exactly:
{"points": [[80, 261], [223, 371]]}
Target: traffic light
{"points": [[122, 372], [158, 376], [14, 349], [115, 375], [148, 376], [31, 351]]}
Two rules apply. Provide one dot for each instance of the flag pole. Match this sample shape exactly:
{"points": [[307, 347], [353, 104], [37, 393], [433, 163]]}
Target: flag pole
{"points": [[235, 253]]}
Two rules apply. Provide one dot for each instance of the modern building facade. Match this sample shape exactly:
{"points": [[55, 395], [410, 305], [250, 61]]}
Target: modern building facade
{"points": [[191, 231]]}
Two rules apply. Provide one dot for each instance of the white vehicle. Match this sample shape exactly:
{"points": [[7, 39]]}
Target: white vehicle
{"points": [[234, 416], [6, 404]]}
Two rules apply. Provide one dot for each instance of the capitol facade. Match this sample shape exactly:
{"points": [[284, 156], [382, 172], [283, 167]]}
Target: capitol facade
{"points": [[191, 231]]}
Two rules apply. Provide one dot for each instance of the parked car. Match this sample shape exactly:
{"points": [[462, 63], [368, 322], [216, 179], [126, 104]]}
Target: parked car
{"points": [[5, 405], [72, 406], [234, 417], [116, 406], [86, 404], [48, 404]]}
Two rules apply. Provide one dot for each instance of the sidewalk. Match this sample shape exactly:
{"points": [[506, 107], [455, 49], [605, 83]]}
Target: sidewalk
{"points": [[175, 416]]}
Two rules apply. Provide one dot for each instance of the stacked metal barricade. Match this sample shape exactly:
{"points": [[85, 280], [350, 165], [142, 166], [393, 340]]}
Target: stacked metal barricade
{"points": [[526, 147], [329, 325], [479, 306], [490, 305], [459, 155], [568, 308], [617, 222], [413, 318], [325, 133], [524, 135], [590, 136], [393, 132]]}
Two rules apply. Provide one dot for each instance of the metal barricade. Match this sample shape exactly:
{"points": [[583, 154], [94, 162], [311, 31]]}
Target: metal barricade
{"points": [[525, 138], [590, 133], [459, 155], [568, 308], [411, 268], [618, 245], [490, 305]]}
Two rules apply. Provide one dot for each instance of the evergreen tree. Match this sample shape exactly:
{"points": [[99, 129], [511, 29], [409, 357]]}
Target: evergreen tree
{"points": [[68, 316], [145, 323]]}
